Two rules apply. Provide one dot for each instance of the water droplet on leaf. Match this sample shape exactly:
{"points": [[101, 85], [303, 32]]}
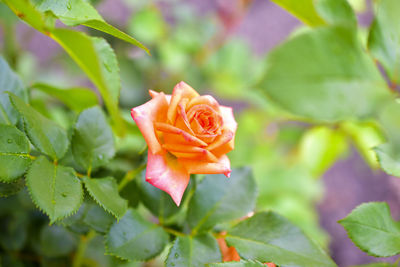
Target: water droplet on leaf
{"points": [[64, 194], [107, 67], [69, 6], [9, 141], [176, 255]]}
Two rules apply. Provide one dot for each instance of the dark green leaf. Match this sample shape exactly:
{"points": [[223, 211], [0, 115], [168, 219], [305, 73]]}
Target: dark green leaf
{"points": [[242, 263], [131, 193], [76, 98], [11, 188], [47, 136], [373, 230], [193, 251], [303, 10], [105, 192], [56, 241], [336, 12], [134, 238], [268, 237], [9, 82], [92, 141], [97, 59], [55, 189], [312, 76], [219, 199], [75, 12], [13, 232], [156, 200], [384, 37], [97, 218], [14, 153]]}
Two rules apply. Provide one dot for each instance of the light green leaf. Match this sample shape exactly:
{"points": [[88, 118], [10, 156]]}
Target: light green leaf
{"points": [[268, 237], [148, 24], [14, 153], [384, 37], [371, 227], [47, 136], [97, 59], [55, 189], [9, 82], [303, 10], [9, 189], [389, 159], [77, 98], [105, 192], [242, 263], [312, 76], [219, 199], [134, 238], [336, 12], [92, 141], [56, 241], [320, 147], [76, 12], [193, 251]]}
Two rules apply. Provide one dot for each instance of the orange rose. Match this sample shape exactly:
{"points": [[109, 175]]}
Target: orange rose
{"points": [[186, 134]]}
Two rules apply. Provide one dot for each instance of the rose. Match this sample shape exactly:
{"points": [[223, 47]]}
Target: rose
{"points": [[186, 134]]}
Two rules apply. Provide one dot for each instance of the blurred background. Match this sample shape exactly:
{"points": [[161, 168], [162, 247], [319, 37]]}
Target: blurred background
{"points": [[312, 174]]}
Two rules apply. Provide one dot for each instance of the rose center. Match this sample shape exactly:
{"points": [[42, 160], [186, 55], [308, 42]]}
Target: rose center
{"points": [[204, 119]]}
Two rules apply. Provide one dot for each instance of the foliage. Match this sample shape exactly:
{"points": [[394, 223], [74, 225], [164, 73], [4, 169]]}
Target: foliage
{"points": [[72, 185]]}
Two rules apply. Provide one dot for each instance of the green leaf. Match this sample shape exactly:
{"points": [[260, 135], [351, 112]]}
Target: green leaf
{"points": [[156, 200], [93, 141], [389, 159], [76, 98], [105, 192], [134, 238], [373, 230], [303, 10], [56, 241], [9, 82], [268, 237], [312, 76], [220, 199], [193, 251], [97, 59], [384, 37], [14, 153], [75, 12], [9, 189], [336, 12], [47, 136], [55, 189], [242, 263], [97, 218], [148, 24]]}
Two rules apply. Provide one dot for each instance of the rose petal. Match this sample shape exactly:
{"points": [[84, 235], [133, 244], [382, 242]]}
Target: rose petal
{"points": [[165, 173], [195, 167], [181, 90], [222, 139], [153, 94], [228, 118], [145, 116], [204, 99], [166, 128], [203, 155]]}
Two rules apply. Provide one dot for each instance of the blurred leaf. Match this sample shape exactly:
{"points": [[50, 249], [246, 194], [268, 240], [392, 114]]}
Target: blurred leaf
{"points": [[366, 136], [76, 98], [97, 59], [9, 189], [97, 218], [320, 147], [193, 251], [336, 12], [268, 237], [14, 153], [56, 241], [371, 227], [389, 159], [148, 24], [75, 12], [379, 264], [9, 82], [13, 234], [156, 200], [312, 76], [135, 238], [54, 189], [92, 141], [105, 192], [303, 10], [47, 136], [384, 37], [219, 199], [242, 263]]}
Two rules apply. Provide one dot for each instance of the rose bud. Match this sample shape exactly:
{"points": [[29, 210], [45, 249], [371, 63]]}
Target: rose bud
{"points": [[186, 134]]}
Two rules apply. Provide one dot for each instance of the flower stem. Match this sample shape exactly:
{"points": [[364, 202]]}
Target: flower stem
{"points": [[77, 262], [129, 176]]}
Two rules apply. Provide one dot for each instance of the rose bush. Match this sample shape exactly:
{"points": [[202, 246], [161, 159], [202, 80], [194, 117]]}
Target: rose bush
{"points": [[186, 134]]}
